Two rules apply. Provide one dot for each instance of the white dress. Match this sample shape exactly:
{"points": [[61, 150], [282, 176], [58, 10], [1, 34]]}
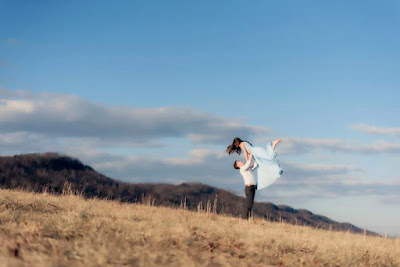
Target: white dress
{"points": [[269, 168]]}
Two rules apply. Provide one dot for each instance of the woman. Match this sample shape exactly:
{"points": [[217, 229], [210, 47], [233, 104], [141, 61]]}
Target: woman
{"points": [[268, 169]]}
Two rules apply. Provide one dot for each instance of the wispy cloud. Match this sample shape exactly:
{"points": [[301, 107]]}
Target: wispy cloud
{"points": [[299, 181], [66, 116], [383, 191], [370, 129], [215, 168], [296, 173], [57, 115], [198, 165], [306, 145], [41, 122]]}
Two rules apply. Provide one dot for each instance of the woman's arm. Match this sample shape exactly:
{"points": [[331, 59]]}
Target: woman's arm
{"points": [[248, 161], [250, 155], [245, 152]]}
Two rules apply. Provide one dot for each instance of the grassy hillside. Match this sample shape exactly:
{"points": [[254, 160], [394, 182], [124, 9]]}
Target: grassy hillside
{"points": [[48, 230], [51, 172]]}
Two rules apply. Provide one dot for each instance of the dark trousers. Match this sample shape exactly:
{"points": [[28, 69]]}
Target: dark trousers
{"points": [[250, 192]]}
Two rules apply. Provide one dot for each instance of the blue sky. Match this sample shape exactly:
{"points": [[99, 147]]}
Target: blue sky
{"points": [[155, 91]]}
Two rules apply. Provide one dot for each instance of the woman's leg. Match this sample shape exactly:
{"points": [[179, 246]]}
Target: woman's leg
{"points": [[277, 141]]}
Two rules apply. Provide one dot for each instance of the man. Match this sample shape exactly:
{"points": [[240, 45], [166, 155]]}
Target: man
{"points": [[246, 170]]}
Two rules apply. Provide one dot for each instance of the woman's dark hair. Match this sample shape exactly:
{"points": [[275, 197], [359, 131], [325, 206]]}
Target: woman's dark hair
{"points": [[234, 147]]}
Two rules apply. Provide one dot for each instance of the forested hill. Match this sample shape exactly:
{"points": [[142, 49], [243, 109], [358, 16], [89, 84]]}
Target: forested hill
{"points": [[56, 174]]}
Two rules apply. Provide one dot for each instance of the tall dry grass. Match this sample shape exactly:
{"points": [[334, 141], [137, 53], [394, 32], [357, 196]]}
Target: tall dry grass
{"points": [[47, 230]]}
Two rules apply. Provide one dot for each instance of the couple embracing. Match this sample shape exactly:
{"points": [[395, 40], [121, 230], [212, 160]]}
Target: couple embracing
{"points": [[264, 160]]}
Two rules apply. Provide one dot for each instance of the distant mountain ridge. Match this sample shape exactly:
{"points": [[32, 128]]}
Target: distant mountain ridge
{"points": [[51, 172]]}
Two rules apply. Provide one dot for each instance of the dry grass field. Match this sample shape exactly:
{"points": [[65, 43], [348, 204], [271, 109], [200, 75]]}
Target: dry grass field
{"points": [[47, 230]]}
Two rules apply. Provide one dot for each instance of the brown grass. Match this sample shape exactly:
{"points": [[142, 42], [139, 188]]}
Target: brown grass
{"points": [[45, 230]]}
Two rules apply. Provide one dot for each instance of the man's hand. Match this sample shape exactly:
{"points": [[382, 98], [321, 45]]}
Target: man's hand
{"points": [[254, 166]]}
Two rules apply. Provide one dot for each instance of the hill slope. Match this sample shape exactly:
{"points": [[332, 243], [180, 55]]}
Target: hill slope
{"points": [[51, 172], [48, 230]]}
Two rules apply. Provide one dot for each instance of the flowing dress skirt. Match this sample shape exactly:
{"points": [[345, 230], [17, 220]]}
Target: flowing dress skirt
{"points": [[269, 168]]}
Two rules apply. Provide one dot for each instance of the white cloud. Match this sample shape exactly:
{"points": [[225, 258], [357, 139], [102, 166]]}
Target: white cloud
{"points": [[296, 173], [392, 131], [309, 191], [299, 181], [195, 166], [8, 107], [306, 145], [42, 122], [56, 115]]}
